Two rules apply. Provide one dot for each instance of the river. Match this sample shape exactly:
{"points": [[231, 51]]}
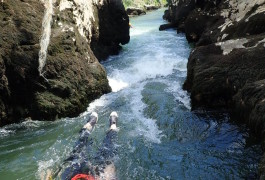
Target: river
{"points": [[159, 136]]}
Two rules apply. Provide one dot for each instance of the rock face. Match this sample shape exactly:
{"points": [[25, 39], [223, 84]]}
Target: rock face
{"points": [[165, 27], [72, 76], [145, 4], [136, 11], [113, 29], [227, 66], [151, 7], [140, 7], [133, 11]]}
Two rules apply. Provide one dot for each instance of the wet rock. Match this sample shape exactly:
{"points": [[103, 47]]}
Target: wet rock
{"points": [[226, 67], [165, 27], [197, 22], [133, 11], [151, 7], [178, 12], [250, 105], [217, 71], [140, 10], [72, 76], [166, 15], [113, 24], [262, 168], [226, 45], [18, 57]]}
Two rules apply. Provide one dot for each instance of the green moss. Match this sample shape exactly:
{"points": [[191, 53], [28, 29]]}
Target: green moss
{"points": [[47, 100], [55, 49]]}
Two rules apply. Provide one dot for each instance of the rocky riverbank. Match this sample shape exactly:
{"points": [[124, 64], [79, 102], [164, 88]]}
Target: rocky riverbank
{"points": [[49, 53], [227, 67], [137, 11], [140, 7], [134, 11]]}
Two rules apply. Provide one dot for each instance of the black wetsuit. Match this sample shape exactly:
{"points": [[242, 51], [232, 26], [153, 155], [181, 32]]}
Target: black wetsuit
{"points": [[78, 162], [107, 151]]}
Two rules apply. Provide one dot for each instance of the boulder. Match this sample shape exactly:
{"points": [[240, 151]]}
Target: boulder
{"points": [[133, 11], [225, 45], [151, 7], [165, 27], [71, 76], [216, 72], [197, 22], [262, 168], [113, 25], [249, 104], [166, 15], [226, 67], [179, 11]]}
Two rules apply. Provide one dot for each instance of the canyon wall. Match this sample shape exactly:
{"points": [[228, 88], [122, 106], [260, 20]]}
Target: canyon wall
{"points": [[226, 68], [49, 53]]}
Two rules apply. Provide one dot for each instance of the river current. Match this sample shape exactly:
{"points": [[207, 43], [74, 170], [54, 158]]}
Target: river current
{"points": [[159, 137]]}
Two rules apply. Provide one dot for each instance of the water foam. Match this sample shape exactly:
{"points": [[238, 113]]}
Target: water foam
{"points": [[98, 103], [145, 68], [26, 125], [117, 85], [143, 126], [133, 114], [149, 58], [179, 94], [138, 32], [4, 132]]}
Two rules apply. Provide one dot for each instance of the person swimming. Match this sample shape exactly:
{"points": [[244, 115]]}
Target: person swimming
{"points": [[78, 164]]}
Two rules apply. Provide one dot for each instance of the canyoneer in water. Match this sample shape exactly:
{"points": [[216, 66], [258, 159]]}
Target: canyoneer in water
{"points": [[79, 166]]}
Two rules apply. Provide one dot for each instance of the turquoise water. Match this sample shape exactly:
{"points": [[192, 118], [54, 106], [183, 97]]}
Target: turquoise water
{"points": [[159, 137]]}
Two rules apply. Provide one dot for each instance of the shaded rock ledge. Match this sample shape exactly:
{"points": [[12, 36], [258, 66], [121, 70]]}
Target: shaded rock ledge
{"points": [[134, 11], [137, 11], [72, 76], [227, 66]]}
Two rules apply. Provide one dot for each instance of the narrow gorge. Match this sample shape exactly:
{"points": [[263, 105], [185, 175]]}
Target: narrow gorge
{"points": [[189, 99]]}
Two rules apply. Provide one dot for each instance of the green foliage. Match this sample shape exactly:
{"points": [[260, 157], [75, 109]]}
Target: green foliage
{"points": [[127, 3]]}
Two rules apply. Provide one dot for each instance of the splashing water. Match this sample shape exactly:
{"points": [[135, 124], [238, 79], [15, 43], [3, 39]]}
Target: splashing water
{"points": [[159, 137], [46, 33]]}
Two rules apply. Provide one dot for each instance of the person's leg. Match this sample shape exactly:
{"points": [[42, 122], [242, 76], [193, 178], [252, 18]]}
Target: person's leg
{"points": [[104, 159], [84, 140], [78, 161]]}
